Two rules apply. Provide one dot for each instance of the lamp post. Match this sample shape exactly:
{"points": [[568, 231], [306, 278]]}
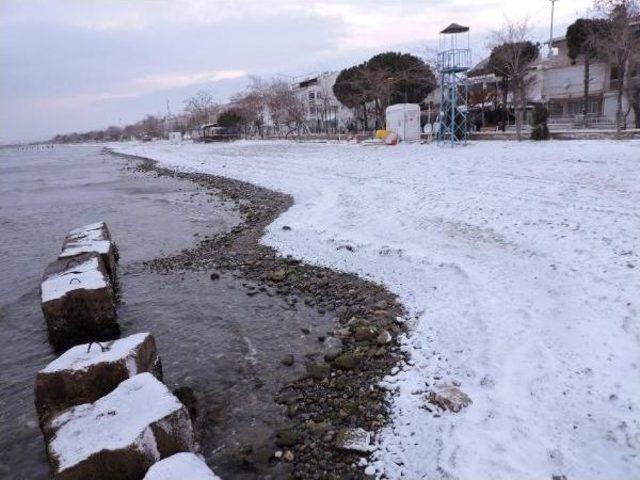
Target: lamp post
{"points": [[553, 7]]}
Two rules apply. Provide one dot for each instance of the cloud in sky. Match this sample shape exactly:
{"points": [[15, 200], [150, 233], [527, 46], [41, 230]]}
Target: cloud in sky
{"points": [[77, 65]]}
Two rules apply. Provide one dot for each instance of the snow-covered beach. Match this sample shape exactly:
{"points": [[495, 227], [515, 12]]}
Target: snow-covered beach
{"points": [[519, 264]]}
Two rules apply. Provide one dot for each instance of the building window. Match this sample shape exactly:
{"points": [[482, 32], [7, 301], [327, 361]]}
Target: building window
{"points": [[576, 107], [311, 95], [615, 78], [555, 109]]}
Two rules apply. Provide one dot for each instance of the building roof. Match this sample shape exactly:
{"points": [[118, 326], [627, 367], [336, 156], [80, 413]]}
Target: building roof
{"points": [[480, 69], [556, 40]]}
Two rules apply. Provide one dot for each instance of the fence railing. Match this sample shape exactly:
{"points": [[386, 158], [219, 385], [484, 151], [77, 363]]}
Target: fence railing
{"points": [[458, 59]]}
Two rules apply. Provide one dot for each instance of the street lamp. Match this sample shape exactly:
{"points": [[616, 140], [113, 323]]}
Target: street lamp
{"points": [[553, 7]]}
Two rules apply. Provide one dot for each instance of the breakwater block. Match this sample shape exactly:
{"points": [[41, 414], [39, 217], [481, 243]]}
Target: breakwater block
{"points": [[93, 238], [120, 435], [78, 301], [181, 466], [87, 372]]}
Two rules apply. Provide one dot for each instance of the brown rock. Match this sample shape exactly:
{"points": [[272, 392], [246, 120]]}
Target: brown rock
{"points": [[318, 371], [449, 397], [383, 338], [278, 275], [122, 434], [286, 437], [354, 440], [78, 301], [83, 375], [94, 238], [362, 334], [347, 360]]}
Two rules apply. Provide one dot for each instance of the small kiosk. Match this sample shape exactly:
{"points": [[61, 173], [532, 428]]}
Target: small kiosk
{"points": [[403, 119]]}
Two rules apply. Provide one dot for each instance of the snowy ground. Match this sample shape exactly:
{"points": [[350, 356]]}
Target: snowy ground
{"points": [[520, 264]]}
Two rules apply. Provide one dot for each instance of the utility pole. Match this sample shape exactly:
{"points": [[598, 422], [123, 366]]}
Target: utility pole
{"points": [[553, 7]]}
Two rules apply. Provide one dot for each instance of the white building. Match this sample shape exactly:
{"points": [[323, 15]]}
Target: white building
{"points": [[558, 83], [325, 114]]}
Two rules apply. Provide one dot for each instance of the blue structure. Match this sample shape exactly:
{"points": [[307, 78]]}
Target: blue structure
{"points": [[454, 60]]}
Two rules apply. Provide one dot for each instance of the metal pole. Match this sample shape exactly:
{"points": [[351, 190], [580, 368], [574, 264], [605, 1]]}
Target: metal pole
{"points": [[454, 101], [553, 7]]}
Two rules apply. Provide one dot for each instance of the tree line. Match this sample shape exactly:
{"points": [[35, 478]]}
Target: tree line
{"points": [[273, 106], [368, 88]]}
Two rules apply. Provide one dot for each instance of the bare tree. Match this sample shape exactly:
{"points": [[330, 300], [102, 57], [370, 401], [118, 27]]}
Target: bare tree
{"points": [[482, 96], [201, 108], [620, 45], [284, 106], [510, 59], [251, 105]]}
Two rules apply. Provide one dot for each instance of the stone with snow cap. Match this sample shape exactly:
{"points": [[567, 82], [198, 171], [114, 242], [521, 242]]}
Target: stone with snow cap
{"points": [[83, 374], [354, 440], [449, 397], [94, 238], [120, 435], [181, 466], [78, 301]]}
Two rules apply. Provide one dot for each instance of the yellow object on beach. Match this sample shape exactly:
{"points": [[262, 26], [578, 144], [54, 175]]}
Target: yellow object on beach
{"points": [[382, 134]]}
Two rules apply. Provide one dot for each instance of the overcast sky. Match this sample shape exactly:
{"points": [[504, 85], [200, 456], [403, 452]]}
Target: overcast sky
{"points": [[79, 65]]}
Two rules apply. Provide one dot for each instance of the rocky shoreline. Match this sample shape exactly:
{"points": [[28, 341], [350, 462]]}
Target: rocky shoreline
{"points": [[340, 391]]}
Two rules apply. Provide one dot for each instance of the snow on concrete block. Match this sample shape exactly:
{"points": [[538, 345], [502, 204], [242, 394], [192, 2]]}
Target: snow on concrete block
{"points": [[354, 440], [87, 372], [78, 301], [94, 238], [181, 466], [449, 397], [120, 435]]}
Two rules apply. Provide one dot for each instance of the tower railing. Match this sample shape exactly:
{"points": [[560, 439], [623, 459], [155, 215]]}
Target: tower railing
{"points": [[454, 60]]}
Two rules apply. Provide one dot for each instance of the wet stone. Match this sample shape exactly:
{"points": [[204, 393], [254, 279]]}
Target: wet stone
{"points": [[278, 275], [347, 361], [287, 360], [318, 371], [354, 440], [364, 333], [188, 398], [286, 437], [85, 373], [120, 435], [384, 338], [93, 238], [78, 301], [333, 347]]}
